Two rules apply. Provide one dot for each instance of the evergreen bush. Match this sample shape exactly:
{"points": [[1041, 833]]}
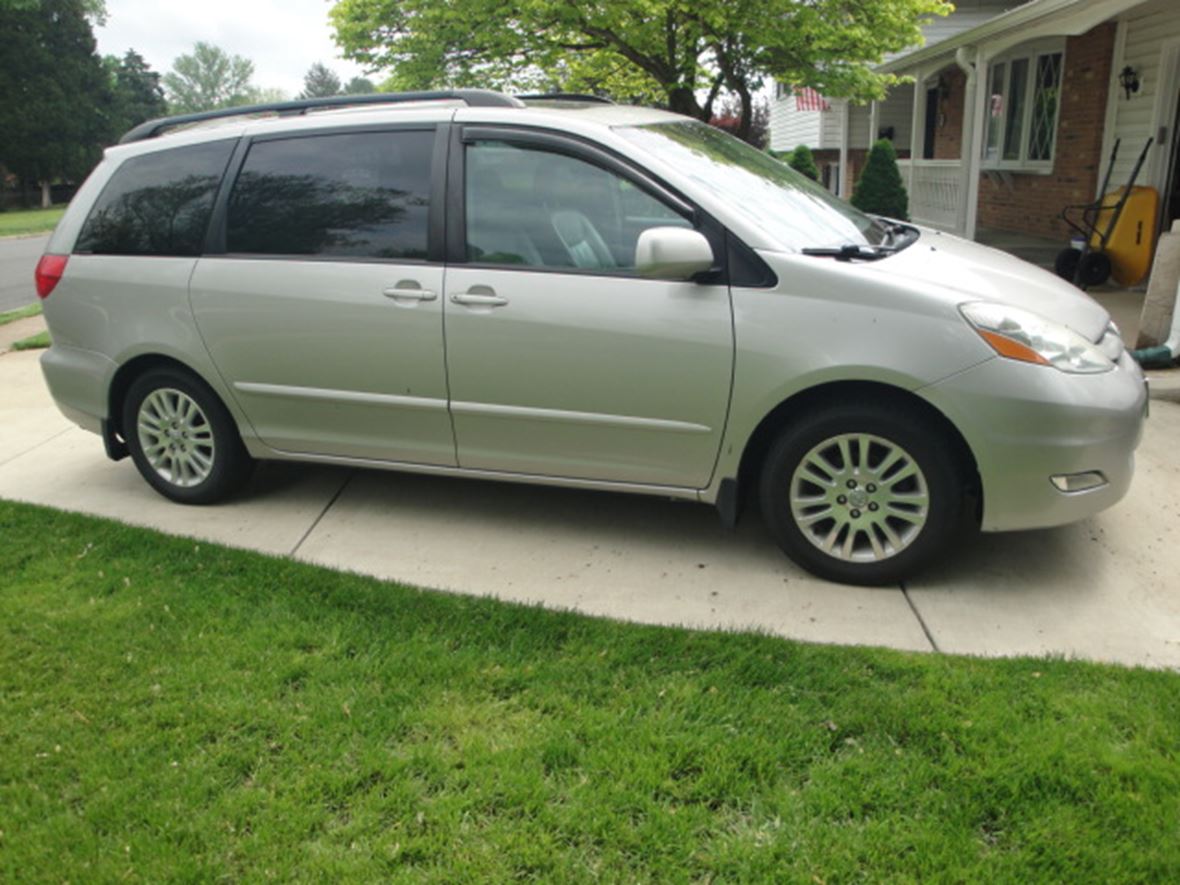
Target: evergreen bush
{"points": [[879, 190], [801, 160]]}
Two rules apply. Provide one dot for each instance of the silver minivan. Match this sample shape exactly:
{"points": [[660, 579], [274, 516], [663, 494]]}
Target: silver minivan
{"points": [[570, 292]]}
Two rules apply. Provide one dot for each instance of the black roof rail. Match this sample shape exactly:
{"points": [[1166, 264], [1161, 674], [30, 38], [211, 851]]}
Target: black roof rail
{"points": [[480, 98], [565, 96]]}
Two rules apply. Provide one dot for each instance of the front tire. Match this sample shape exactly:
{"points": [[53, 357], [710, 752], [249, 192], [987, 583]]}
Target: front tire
{"points": [[862, 493], [182, 438]]}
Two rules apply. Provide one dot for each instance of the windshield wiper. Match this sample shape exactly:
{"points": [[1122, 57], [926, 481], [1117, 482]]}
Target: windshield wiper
{"points": [[852, 251]]}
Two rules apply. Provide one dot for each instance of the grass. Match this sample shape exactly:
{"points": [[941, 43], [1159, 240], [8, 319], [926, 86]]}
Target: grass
{"points": [[20, 313], [30, 221], [173, 710], [33, 342]]}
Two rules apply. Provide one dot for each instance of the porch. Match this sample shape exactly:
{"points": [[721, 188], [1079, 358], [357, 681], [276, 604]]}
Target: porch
{"points": [[1011, 120]]}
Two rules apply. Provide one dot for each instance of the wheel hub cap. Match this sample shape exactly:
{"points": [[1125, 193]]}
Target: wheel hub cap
{"points": [[859, 497], [176, 437]]}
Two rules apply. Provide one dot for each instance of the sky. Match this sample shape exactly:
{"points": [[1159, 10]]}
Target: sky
{"points": [[282, 37]]}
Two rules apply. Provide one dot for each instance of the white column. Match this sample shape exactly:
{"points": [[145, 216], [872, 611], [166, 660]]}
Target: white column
{"points": [[978, 131], [845, 185], [874, 122], [917, 127], [967, 137]]}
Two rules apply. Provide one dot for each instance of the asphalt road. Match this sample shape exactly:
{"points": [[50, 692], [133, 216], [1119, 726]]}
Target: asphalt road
{"points": [[18, 259]]}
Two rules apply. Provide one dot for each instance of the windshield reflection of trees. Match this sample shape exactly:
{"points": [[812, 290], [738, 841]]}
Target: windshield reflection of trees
{"points": [[278, 214], [164, 219]]}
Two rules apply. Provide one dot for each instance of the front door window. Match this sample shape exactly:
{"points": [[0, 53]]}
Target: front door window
{"points": [[536, 208]]}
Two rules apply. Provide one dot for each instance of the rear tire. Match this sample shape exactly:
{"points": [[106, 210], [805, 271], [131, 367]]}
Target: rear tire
{"points": [[863, 493], [182, 438]]}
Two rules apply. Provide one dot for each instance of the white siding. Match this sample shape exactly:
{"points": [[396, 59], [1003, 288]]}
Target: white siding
{"points": [[897, 110], [967, 14], [830, 122], [1150, 28], [858, 122], [790, 128]]}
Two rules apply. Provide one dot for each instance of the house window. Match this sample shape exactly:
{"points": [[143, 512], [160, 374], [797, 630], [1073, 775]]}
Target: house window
{"points": [[1023, 106]]}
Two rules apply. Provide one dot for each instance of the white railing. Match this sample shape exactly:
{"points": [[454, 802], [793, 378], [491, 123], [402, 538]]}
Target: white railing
{"points": [[935, 189]]}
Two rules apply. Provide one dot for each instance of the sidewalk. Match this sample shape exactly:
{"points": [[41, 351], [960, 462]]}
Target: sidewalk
{"points": [[1104, 589]]}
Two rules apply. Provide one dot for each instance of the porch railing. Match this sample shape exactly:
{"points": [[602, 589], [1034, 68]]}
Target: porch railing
{"points": [[935, 190]]}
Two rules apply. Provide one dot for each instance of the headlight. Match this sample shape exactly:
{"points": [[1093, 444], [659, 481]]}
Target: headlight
{"points": [[1022, 335]]}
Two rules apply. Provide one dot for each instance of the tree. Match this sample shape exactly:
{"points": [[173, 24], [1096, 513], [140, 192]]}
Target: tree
{"points": [[801, 160], [137, 93], [55, 113], [320, 82], [678, 54], [209, 78], [879, 190], [360, 86]]}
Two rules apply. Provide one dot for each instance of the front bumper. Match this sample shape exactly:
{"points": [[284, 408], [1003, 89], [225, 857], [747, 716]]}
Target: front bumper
{"points": [[1026, 424]]}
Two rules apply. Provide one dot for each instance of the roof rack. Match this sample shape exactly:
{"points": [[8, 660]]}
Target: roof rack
{"points": [[565, 96], [481, 98]]}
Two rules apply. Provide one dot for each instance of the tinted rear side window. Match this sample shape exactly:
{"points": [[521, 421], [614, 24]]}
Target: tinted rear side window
{"points": [[158, 203], [357, 195]]}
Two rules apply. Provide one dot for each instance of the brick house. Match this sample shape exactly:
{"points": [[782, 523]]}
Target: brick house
{"points": [[1012, 113]]}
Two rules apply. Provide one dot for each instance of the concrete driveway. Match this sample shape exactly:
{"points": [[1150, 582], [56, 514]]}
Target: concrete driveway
{"points": [[18, 260], [1105, 589]]}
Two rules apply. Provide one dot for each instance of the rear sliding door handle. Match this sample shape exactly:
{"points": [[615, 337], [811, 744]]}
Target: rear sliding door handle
{"points": [[409, 293], [479, 299]]}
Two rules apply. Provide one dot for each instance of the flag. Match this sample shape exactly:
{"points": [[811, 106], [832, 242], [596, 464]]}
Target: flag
{"points": [[807, 99]]}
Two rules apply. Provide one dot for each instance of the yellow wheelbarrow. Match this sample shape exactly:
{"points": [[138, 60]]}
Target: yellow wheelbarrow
{"points": [[1115, 233]]}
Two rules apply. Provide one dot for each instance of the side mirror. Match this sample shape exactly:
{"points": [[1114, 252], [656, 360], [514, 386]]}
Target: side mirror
{"points": [[672, 253]]}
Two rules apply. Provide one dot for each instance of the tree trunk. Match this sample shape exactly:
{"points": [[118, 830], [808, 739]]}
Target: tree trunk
{"points": [[682, 100], [747, 120], [46, 195]]}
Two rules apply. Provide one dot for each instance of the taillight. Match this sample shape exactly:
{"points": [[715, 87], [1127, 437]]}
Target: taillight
{"points": [[49, 271]]}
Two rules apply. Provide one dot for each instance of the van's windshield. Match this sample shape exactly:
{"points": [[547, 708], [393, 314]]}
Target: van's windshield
{"points": [[795, 210]]}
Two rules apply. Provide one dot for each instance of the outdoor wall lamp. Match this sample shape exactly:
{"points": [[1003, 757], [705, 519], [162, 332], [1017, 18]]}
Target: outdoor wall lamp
{"points": [[1129, 80]]}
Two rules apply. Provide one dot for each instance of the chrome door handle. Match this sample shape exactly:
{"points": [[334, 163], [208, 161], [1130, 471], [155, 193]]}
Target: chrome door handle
{"points": [[479, 299], [409, 294]]}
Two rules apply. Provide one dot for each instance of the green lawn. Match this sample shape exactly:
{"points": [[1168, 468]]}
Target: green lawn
{"points": [[173, 710], [33, 342], [17, 222], [20, 313]]}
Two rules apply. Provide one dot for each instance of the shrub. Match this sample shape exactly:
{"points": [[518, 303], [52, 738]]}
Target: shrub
{"points": [[801, 160], [879, 190]]}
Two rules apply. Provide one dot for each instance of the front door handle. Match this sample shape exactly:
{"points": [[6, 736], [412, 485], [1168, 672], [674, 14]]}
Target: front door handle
{"points": [[408, 290], [479, 296]]}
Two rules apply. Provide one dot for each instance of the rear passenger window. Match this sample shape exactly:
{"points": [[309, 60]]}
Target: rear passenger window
{"points": [[359, 195], [157, 203]]}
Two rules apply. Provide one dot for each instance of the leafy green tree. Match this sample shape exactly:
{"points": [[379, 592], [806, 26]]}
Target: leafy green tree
{"points": [[56, 97], [360, 86], [138, 95], [269, 95], [682, 55], [320, 82], [879, 190], [801, 160], [209, 78]]}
